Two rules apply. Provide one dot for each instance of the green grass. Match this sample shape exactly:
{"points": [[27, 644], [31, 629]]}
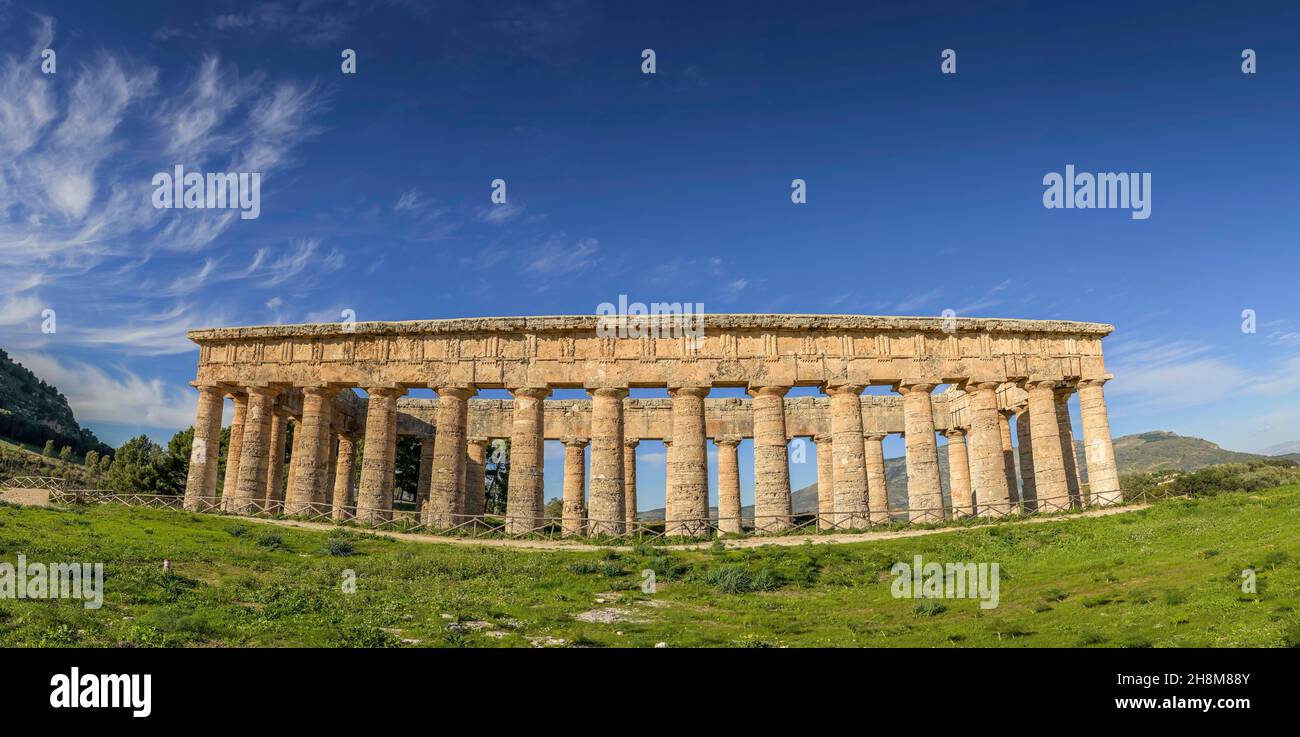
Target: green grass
{"points": [[1166, 576]]}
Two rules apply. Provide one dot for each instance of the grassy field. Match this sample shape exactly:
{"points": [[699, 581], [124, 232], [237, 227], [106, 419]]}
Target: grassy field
{"points": [[1165, 576]]}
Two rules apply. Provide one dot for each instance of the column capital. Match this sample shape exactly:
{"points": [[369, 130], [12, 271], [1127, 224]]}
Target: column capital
{"points": [[767, 390], [1040, 384], [320, 390], [1094, 382], [570, 440], [876, 436], [1063, 390], [970, 386], [955, 432], [476, 440], [530, 392], [688, 391], [913, 387], [385, 392], [630, 442], [209, 388], [833, 389], [608, 391], [723, 440], [822, 438], [270, 392]]}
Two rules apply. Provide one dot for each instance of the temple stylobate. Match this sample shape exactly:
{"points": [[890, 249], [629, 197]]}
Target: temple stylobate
{"points": [[996, 372]]}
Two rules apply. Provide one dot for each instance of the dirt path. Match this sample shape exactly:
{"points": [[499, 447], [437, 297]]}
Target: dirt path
{"points": [[752, 542], [26, 497]]}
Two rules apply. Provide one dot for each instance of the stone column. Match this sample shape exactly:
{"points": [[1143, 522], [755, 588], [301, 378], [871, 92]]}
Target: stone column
{"points": [[924, 495], [629, 484], [275, 465], [320, 494], [1028, 492], [1009, 458], [772, 505], [1098, 453], [234, 447], [989, 475], [959, 473], [375, 493], [447, 488], [326, 504], [575, 476], [687, 507], [425, 480], [1045, 438], [668, 469], [343, 473], [250, 487], [296, 424], [825, 481], [205, 451], [606, 511], [877, 483], [850, 474], [475, 481], [310, 451], [527, 450], [1061, 395], [728, 484]]}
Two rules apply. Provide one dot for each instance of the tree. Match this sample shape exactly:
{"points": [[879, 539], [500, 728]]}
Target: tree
{"points": [[176, 461], [105, 462], [496, 472], [92, 460], [48, 452], [138, 467], [406, 468], [554, 509], [65, 453]]}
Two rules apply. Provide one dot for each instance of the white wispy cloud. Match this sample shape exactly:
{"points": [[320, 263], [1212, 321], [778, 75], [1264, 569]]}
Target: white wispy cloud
{"points": [[97, 395]]}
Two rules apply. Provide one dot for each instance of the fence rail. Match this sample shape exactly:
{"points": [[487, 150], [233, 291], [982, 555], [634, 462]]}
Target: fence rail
{"points": [[505, 526]]}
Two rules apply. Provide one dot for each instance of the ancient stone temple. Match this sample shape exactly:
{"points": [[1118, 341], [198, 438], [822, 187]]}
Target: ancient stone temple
{"points": [[992, 372]]}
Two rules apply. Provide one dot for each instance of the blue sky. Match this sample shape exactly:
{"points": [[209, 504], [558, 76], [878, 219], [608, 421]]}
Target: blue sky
{"points": [[924, 189]]}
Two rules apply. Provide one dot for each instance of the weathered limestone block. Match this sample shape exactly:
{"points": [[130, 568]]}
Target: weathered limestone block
{"points": [[728, 484], [825, 481], [1028, 491], [1061, 395], [924, 495], [201, 481], [850, 474], [310, 452], [250, 487], [475, 477], [375, 492], [629, 483], [447, 487], [877, 483], [575, 476], [687, 508], [275, 465], [959, 474], [992, 497], [234, 450], [606, 513], [772, 505], [1098, 453], [343, 475], [1045, 439], [527, 436]]}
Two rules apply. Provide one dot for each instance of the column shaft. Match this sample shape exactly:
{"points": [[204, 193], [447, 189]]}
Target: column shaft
{"points": [[606, 513], [250, 487], [310, 460], [1098, 453], [959, 474], [877, 483], [728, 485], [205, 452], [475, 480], [924, 495], [424, 481], [447, 487], [1009, 458], [989, 475], [687, 512], [343, 475], [1024, 447], [1066, 433], [234, 447], [275, 465], [629, 484], [575, 477], [375, 492], [772, 504], [1045, 438], [850, 472], [825, 481], [527, 451]]}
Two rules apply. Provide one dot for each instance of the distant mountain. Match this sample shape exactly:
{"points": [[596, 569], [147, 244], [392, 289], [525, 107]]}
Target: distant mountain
{"points": [[32, 411], [1149, 451], [1282, 449]]}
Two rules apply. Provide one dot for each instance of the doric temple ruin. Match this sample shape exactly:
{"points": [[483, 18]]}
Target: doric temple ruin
{"points": [[994, 370]]}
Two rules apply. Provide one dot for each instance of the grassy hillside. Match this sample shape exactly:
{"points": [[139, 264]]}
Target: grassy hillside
{"points": [[32, 411], [1164, 576]]}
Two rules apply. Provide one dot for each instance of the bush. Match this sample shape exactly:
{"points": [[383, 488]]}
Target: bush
{"points": [[270, 539], [339, 546], [740, 580]]}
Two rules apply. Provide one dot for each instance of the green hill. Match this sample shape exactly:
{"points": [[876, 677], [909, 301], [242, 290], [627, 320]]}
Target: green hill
{"points": [[32, 412]]}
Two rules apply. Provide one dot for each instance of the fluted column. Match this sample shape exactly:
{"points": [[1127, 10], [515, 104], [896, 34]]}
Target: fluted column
{"points": [[877, 482], [250, 487], [606, 509], [629, 483], [728, 484], [234, 447], [687, 506], [275, 464], [326, 503], [475, 488], [447, 488], [575, 476], [343, 474], [825, 481], [772, 506], [1045, 439], [924, 496], [959, 473], [668, 470], [1061, 395], [205, 451], [1098, 453], [1009, 458], [1024, 447], [850, 474], [424, 481], [527, 450], [310, 451], [375, 492], [989, 475]]}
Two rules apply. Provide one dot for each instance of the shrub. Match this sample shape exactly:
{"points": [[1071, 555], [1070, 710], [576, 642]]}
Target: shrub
{"points": [[740, 580], [339, 546], [270, 539]]}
